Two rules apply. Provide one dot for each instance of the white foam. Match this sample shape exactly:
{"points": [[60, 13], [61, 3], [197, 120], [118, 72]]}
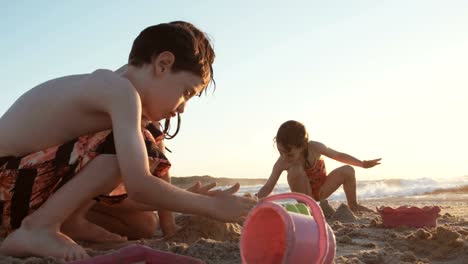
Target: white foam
{"points": [[383, 188]]}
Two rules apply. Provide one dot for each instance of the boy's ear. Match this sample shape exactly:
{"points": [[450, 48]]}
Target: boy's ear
{"points": [[163, 62]]}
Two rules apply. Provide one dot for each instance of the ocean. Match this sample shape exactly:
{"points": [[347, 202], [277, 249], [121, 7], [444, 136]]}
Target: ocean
{"points": [[387, 188]]}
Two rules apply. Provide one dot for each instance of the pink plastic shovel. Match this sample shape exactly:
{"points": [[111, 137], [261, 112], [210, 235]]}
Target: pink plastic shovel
{"points": [[136, 254], [273, 235]]}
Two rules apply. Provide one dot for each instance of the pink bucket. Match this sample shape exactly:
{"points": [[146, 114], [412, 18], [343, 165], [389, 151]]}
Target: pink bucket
{"points": [[273, 235]]}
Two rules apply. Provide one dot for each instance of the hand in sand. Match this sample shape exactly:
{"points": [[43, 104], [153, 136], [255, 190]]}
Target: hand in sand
{"points": [[170, 230]]}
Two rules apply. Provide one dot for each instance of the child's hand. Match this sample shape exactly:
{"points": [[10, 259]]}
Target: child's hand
{"points": [[370, 163], [229, 207], [204, 190]]}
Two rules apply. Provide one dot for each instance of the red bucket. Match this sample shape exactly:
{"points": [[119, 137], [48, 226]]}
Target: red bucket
{"points": [[409, 216]]}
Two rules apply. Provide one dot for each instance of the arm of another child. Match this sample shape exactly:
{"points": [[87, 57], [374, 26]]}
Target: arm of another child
{"points": [[342, 157], [278, 168]]}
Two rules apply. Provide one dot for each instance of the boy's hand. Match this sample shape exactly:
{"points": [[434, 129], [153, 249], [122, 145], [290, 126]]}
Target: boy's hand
{"points": [[229, 207], [370, 163]]}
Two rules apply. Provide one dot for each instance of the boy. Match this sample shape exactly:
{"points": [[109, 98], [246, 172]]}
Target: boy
{"points": [[75, 138]]}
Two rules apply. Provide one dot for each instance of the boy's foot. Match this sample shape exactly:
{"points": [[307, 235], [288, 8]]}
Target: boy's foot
{"points": [[359, 208], [84, 230], [25, 242]]}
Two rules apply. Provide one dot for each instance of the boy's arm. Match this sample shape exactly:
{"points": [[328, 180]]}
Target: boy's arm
{"points": [[166, 218], [116, 97], [278, 168], [342, 157], [124, 107]]}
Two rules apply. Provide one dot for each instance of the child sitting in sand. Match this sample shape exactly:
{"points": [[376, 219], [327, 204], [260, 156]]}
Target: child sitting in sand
{"points": [[302, 160], [69, 142]]}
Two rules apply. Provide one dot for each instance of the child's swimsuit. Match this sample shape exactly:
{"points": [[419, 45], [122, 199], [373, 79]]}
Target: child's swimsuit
{"points": [[317, 176], [26, 182]]}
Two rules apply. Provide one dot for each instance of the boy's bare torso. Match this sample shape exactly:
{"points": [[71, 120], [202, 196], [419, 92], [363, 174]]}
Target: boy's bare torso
{"points": [[55, 112]]}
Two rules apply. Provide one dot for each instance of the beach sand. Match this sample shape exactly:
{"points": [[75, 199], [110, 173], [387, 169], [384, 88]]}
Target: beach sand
{"points": [[359, 239]]}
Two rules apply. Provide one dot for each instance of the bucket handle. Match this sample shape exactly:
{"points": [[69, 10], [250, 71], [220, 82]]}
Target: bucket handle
{"points": [[316, 213]]}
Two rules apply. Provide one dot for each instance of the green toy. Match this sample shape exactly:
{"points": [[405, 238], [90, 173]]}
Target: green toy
{"points": [[299, 208]]}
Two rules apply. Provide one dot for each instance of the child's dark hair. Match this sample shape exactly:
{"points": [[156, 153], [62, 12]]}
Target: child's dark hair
{"points": [[293, 134], [191, 47]]}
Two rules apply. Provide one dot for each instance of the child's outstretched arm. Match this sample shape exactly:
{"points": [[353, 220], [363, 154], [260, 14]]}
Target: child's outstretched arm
{"points": [[278, 168], [122, 103], [343, 157]]}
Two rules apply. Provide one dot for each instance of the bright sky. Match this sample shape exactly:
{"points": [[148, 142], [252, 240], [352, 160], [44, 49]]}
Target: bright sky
{"points": [[370, 78]]}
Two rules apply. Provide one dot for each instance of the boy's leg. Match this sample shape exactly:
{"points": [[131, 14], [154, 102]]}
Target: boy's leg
{"points": [[40, 234], [298, 180], [345, 176]]}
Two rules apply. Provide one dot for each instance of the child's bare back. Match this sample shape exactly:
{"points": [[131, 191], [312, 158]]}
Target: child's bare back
{"points": [[57, 111]]}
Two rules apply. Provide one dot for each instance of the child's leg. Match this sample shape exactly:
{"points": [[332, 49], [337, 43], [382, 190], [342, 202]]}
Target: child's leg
{"points": [[345, 176], [78, 227], [132, 223], [129, 218], [298, 180], [40, 234]]}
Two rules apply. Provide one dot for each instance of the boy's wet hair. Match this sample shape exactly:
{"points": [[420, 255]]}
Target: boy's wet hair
{"points": [[191, 47], [293, 134]]}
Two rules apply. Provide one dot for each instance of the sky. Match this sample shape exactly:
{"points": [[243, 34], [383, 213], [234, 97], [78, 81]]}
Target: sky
{"points": [[374, 79]]}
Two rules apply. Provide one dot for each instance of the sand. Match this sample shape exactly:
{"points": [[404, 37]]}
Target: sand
{"points": [[366, 240], [360, 238]]}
